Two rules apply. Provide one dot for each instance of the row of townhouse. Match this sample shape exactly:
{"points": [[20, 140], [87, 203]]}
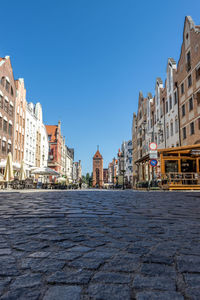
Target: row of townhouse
{"points": [[171, 117], [22, 131], [121, 169]]}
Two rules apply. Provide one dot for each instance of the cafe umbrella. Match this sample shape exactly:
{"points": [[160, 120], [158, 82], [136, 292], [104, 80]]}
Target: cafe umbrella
{"points": [[8, 174]]}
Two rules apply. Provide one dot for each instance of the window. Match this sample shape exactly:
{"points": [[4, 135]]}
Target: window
{"points": [[176, 125], [188, 65], [199, 123], [9, 147], [175, 98], [184, 133], [189, 81], [166, 106], [198, 98], [190, 104], [191, 128], [11, 110], [7, 86], [183, 110], [10, 129], [170, 103], [6, 106], [1, 101], [198, 73], [1, 122], [171, 128], [167, 133], [4, 125], [49, 138], [3, 146], [182, 88], [2, 81], [11, 91]]}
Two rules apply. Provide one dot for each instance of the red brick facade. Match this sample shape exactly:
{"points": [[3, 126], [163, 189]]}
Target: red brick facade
{"points": [[55, 143], [97, 170], [7, 107]]}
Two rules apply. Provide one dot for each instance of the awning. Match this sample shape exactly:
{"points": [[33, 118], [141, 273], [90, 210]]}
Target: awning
{"points": [[142, 159]]}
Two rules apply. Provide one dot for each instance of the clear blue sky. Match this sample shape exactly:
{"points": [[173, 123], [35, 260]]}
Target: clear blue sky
{"points": [[87, 60]]}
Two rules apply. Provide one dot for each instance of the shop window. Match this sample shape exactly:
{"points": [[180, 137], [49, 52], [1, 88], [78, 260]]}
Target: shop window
{"points": [[184, 133], [183, 110], [190, 104], [191, 128], [171, 166], [182, 88]]}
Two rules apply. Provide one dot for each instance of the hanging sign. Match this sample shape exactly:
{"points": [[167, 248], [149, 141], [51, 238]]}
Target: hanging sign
{"points": [[153, 146], [153, 162]]}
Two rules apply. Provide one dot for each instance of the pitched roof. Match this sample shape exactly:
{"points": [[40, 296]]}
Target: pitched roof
{"points": [[52, 130], [97, 155]]}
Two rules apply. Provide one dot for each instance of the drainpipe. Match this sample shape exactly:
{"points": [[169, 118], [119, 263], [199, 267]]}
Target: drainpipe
{"points": [[178, 102]]}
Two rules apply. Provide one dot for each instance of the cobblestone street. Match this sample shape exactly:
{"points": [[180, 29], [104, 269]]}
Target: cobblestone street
{"points": [[100, 245]]}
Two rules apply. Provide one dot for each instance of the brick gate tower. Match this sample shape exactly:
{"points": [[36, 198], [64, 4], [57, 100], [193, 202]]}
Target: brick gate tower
{"points": [[97, 169]]}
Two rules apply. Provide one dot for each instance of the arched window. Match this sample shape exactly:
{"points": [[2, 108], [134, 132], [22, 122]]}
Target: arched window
{"points": [[7, 85], [11, 90], [3, 81]]}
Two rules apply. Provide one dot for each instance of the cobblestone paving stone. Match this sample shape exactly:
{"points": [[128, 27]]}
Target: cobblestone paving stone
{"points": [[81, 245]]}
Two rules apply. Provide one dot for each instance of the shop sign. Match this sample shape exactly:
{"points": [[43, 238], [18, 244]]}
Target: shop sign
{"points": [[153, 162], [195, 152]]}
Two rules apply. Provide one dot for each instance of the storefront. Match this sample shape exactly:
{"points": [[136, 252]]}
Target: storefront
{"points": [[180, 167]]}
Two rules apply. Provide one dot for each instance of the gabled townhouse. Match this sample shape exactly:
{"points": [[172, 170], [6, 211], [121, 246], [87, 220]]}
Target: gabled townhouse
{"points": [[7, 107]]}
